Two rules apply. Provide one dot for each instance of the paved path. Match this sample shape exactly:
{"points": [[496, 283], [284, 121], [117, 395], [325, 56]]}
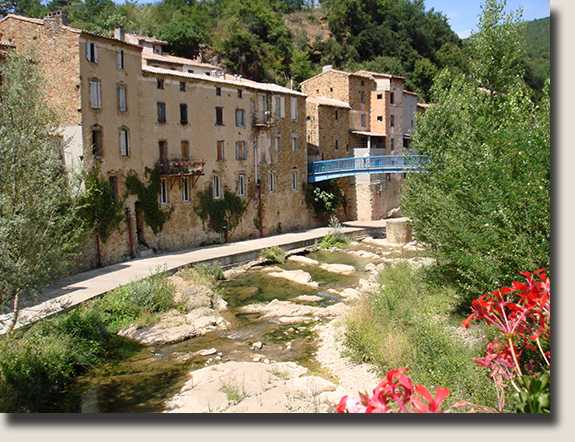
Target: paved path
{"points": [[75, 289]]}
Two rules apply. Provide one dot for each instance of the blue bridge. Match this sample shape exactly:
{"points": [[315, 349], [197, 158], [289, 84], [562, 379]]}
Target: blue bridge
{"points": [[326, 170]]}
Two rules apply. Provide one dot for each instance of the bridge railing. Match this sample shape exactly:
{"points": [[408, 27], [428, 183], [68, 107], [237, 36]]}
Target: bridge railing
{"points": [[375, 164]]}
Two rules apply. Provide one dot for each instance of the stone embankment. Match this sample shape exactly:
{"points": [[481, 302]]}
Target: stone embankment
{"points": [[278, 387]]}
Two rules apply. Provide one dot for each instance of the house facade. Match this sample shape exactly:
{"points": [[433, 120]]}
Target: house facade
{"points": [[372, 115], [126, 107]]}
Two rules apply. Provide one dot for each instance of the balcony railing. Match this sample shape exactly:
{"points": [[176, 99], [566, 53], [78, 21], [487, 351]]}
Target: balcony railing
{"points": [[264, 119], [180, 167]]}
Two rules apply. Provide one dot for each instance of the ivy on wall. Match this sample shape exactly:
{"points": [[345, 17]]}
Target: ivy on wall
{"points": [[99, 199], [154, 216], [217, 214]]}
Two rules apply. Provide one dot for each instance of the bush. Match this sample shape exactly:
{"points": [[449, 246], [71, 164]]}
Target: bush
{"points": [[203, 274], [335, 237], [408, 323], [274, 254]]}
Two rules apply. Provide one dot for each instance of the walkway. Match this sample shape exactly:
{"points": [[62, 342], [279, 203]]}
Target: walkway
{"points": [[75, 289]]}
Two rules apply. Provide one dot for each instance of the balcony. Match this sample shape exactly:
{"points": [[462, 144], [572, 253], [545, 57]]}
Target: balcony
{"points": [[179, 167], [264, 119]]}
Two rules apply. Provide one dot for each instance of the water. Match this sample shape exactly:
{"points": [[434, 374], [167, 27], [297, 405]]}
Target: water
{"points": [[141, 378]]}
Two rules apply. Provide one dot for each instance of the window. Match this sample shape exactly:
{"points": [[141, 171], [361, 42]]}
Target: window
{"points": [[182, 86], [185, 189], [91, 52], [293, 108], [217, 186], [161, 112], [183, 114], [163, 191], [121, 60], [113, 181], [336, 116], [391, 98], [219, 91], [160, 84], [379, 96], [220, 150], [379, 118], [363, 120], [240, 118], [163, 146], [362, 97], [95, 94], [122, 103], [294, 143], [272, 182], [392, 121], [241, 150], [219, 116], [97, 141], [185, 150], [294, 180], [336, 145], [392, 146], [362, 82], [239, 93], [241, 185], [124, 142], [278, 143]]}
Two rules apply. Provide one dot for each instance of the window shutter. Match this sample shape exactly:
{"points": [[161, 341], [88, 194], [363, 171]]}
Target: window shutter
{"points": [[95, 94], [293, 108], [283, 107], [124, 146], [238, 153], [122, 98]]}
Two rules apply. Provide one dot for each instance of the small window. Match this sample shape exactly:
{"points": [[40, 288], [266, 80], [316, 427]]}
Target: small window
{"points": [[379, 118], [160, 84], [362, 97], [294, 143], [121, 59], [183, 114], [379, 96], [241, 150], [182, 86], [391, 98], [278, 143], [220, 150], [362, 82], [392, 145], [122, 103], [272, 182], [124, 142], [392, 121], [161, 112], [219, 91], [240, 118], [239, 93], [95, 94], [113, 181], [336, 116], [163, 147], [219, 116], [363, 120], [336, 145], [217, 187], [163, 191], [294, 180], [97, 141], [185, 189], [241, 185], [185, 150], [91, 52]]}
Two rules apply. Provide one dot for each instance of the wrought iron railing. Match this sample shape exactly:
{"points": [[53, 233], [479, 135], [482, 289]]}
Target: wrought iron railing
{"points": [[264, 119], [180, 167]]}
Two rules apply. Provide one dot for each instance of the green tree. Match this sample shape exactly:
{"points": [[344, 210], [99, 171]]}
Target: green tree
{"points": [[484, 205], [184, 34], [39, 227]]}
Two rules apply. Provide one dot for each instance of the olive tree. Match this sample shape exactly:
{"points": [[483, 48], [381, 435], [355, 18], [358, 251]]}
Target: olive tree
{"points": [[483, 207], [39, 228]]}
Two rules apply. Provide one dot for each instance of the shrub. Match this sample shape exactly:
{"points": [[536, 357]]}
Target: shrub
{"points": [[203, 274], [274, 254], [335, 237]]}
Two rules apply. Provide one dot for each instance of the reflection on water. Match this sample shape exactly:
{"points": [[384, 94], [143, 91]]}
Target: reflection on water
{"points": [[141, 378]]}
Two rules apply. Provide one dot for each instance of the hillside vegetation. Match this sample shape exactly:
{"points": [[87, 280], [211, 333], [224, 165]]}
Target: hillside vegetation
{"points": [[283, 40]]}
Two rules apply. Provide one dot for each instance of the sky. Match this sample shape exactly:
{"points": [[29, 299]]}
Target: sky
{"points": [[463, 14]]}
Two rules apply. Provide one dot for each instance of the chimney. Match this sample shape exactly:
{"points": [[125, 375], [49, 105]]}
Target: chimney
{"points": [[55, 20], [327, 67], [119, 34]]}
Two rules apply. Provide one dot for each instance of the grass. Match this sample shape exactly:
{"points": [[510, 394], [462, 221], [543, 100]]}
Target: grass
{"points": [[235, 392], [335, 237], [412, 322], [203, 274]]}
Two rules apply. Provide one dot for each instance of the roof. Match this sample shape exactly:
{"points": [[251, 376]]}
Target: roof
{"points": [[360, 73], [367, 134], [377, 74], [177, 60], [224, 79], [324, 101], [146, 38]]}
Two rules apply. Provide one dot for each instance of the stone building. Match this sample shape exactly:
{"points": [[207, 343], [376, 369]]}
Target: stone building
{"points": [[356, 115], [127, 107]]}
